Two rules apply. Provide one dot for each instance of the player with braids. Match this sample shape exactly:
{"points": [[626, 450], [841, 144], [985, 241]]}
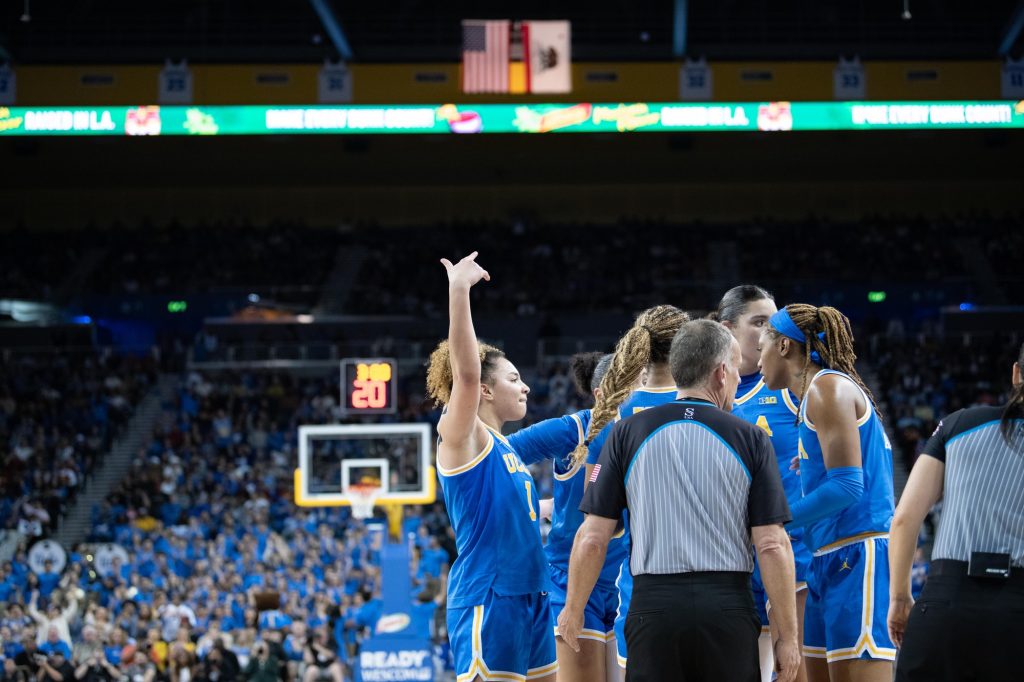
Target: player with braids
{"points": [[831, 346], [499, 618], [847, 505], [644, 348]]}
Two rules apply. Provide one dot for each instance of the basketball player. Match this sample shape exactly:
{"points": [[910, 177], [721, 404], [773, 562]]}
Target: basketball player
{"points": [[499, 619], [846, 475], [643, 348], [745, 310], [556, 439]]}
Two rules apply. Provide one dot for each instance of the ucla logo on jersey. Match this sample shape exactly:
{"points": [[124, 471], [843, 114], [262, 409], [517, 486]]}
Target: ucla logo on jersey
{"points": [[514, 464], [768, 400]]}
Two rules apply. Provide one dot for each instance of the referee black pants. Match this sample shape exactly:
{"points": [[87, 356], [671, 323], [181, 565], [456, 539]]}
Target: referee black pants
{"points": [[964, 629], [690, 627]]}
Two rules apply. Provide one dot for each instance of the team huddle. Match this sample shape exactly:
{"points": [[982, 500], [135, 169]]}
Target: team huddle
{"points": [[520, 609]]}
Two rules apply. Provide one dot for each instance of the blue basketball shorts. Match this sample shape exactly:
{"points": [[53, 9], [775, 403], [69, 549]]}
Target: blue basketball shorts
{"points": [[848, 601], [505, 638], [625, 585], [802, 557], [599, 614]]}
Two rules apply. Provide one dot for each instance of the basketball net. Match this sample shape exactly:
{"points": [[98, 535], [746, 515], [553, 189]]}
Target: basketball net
{"points": [[361, 497]]}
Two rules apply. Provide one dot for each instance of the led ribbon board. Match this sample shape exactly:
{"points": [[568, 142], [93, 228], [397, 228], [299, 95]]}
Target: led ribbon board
{"points": [[509, 118]]}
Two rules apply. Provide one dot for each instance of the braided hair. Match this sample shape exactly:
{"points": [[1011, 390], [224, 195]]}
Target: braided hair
{"points": [[829, 335], [647, 342]]}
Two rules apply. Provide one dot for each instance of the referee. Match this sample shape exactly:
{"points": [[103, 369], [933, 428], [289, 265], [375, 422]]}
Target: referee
{"points": [[699, 483], [969, 622]]}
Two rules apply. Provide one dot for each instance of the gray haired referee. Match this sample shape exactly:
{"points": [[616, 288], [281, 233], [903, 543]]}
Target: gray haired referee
{"points": [[699, 484]]}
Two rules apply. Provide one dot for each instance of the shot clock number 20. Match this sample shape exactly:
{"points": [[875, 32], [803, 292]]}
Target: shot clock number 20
{"points": [[368, 385]]}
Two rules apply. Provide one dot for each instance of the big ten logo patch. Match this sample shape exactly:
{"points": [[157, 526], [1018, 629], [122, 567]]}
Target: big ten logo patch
{"points": [[768, 400]]}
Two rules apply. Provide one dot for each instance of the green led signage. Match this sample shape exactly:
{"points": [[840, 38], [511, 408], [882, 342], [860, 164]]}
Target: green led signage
{"points": [[876, 296], [177, 306], [508, 118]]}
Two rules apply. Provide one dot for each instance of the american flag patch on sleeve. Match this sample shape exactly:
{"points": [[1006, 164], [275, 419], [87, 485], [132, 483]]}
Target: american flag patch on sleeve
{"points": [[595, 472]]}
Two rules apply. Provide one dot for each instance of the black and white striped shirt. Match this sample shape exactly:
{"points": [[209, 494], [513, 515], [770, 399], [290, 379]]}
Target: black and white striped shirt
{"points": [[983, 491], [694, 479]]}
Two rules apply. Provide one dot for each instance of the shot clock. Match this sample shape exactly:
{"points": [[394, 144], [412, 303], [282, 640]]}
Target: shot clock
{"points": [[368, 386]]}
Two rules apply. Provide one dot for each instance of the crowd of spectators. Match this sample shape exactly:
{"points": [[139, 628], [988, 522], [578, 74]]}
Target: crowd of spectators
{"points": [[625, 266], [58, 414], [220, 577], [283, 257], [637, 262], [554, 268], [924, 376]]}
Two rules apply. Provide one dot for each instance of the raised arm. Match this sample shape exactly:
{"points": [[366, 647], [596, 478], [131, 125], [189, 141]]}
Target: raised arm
{"points": [[33, 611], [71, 608], [459, 428]]}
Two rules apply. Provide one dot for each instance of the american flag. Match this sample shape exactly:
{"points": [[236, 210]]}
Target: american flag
{"points": [[485, 48], [595, 472]]}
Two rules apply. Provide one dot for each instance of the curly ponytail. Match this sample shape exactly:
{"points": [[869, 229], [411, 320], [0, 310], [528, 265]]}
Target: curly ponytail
{"points": [[647, 342]]}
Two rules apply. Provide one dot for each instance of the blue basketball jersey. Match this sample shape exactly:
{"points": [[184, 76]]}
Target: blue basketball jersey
{"points": [[637, 401], [566, 517], [872, 513], [493, 507], [555, 439], [776, 413]]}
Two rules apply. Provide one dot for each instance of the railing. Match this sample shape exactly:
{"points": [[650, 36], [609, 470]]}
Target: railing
{"points": [[309, 355]]}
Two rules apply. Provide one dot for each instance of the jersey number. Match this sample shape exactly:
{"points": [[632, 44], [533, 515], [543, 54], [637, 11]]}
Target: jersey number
{"points": [[762, 421], [529, 500]]}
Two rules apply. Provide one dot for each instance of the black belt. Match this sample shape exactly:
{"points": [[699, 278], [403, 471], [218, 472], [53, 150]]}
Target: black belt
{"points": [[958, 569], [738, 579]]}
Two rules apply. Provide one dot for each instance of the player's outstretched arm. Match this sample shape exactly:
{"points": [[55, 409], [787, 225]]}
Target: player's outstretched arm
{"points": [[459, 426]]}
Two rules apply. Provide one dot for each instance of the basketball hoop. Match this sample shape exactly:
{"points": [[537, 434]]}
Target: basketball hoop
{"points": [[362, 497]]}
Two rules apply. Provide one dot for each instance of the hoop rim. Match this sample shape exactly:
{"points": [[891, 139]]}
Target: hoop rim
{"points": [[362, 498]]}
